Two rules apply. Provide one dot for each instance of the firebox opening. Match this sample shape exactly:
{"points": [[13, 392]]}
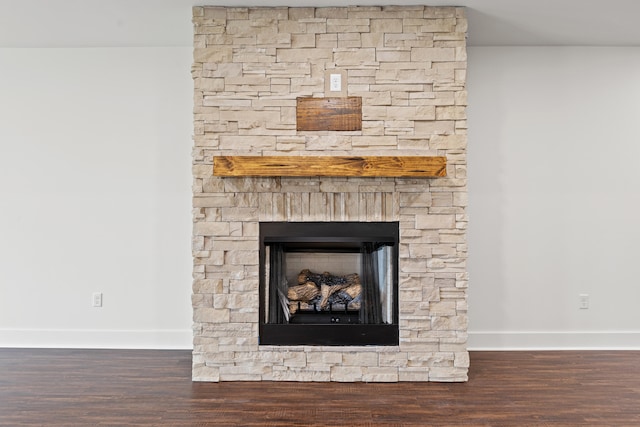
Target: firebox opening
{"points": [[329, 283]]}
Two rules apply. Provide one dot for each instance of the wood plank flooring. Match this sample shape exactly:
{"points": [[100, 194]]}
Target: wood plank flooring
{"points": [[153, 388]]}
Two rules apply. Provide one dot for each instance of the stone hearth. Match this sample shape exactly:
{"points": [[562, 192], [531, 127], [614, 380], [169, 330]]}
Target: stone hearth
{"points": [[409, 66]]}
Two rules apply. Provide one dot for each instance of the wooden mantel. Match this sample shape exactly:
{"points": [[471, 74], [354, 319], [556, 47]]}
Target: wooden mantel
{"points": [[337, 166]]}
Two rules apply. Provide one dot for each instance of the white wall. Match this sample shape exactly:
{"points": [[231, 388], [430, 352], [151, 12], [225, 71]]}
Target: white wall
{"points": [[554, 176], [95, 185], [95, 197]]}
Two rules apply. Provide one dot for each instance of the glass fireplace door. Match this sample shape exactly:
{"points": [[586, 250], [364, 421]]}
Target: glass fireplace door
{"points": [[329, 283]]}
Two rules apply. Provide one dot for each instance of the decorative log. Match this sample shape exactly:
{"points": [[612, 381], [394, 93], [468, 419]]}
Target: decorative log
{"points": [[353, 279], [318, 288], [303, 277], [305, 292], [327, 278], [315, 166], [326, 291], [353, 290]]}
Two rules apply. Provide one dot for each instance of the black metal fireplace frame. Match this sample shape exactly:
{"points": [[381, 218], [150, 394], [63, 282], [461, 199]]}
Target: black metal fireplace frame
{"points": [[327, 236]]}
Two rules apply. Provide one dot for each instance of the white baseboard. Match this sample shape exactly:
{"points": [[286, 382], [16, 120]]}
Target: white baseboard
{"points": [[182, 339], [545, 340], [169, 339]]}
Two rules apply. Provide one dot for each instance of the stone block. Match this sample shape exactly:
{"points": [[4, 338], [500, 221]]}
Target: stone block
{"points": [[301, 13], [332, 13], [211, 228], [460, 198], [248, 300], [237, 13], [413, 265], [431, 359], [268, 13], [424, 112], [380, 374], [461, 359], [331, 141], [443, 308], [386, 25], [303, 41], [354, 57], [346, 373], [420, 250], [437, 222], [207, 286], [434, 127], [326, 41], [448, 142], [202, 171], [270, 39], [373, 141], [432, 98], [448, 374], [202, 300], [449, 323], [433, 54], [210, 315], [216, 54], [242, 257], [451, 113], [230, 103], [460, 54], [295, 359], [324, 358], [339, 25], [434, 12], [369, 358], [212, 184], [415, 200], [371, 40], [436, 264], [201, 372], [417, 282], [304, 55], [393, 55], [414, 374], [244, 316], [439, 25], [243, 286], [308, 375], [252, 54], [441, 199], [256, 143], [395, 359], [349, 40], [243, 373], [209, 84]]}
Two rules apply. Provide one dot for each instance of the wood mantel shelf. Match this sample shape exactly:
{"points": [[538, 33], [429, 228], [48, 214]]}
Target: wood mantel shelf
{"points": [[336, 166]]}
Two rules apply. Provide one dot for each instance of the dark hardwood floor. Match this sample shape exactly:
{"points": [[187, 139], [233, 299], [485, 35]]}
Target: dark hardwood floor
{"points": [[149, 387]]}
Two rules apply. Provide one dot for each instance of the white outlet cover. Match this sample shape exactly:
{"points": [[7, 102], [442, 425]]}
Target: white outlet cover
{"points": [[335, 82]]}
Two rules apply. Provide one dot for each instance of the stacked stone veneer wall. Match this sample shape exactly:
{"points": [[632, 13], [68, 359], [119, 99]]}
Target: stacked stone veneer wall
{"points": [[409, 66]]}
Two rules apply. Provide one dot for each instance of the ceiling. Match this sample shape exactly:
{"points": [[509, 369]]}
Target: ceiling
{"points": [[89, 23]]}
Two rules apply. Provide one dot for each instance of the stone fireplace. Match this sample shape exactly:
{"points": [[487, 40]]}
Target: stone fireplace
{"points": [[408, 65]]}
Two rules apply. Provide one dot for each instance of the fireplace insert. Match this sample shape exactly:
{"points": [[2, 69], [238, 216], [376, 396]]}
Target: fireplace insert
{"points": [[328, 283]]}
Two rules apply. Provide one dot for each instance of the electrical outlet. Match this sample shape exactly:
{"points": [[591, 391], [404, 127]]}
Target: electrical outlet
{"points": [[335, 82], [97, 299], [584, 301]]}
